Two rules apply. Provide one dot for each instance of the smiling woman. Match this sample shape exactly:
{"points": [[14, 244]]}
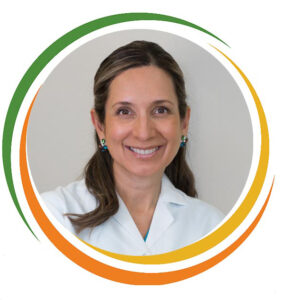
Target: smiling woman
{"points": [[138, 195], [142, 131]]}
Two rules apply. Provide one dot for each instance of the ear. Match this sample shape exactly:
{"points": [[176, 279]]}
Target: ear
{"points": [[185, 122], [97, 124]]}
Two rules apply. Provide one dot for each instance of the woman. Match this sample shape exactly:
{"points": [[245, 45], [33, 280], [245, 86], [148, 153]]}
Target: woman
{"points": [[137, 197]]}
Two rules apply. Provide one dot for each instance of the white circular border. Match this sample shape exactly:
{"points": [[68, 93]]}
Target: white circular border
{"points": [[201, 39]]}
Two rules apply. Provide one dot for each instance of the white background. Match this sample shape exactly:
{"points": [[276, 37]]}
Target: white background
{"points": [[36, 270]]}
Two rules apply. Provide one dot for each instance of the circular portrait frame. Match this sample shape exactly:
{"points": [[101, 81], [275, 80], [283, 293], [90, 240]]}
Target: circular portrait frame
{"points": [[179, 264]]}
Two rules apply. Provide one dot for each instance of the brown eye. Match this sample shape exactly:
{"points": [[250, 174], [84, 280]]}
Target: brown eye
{"points": [[123, 111], [161, 110]]}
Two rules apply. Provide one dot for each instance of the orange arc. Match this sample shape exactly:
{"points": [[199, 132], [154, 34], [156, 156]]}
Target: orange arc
{"points": [[102, 269], [222, 232]]}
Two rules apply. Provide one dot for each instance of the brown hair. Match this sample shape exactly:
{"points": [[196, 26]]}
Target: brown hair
{"points": [[99, 172]]}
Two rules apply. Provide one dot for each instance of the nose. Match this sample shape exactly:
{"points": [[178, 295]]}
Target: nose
{"points": [[143, 128]]}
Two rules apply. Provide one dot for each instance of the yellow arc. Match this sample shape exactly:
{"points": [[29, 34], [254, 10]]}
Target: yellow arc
{"points": [[235, 220]]}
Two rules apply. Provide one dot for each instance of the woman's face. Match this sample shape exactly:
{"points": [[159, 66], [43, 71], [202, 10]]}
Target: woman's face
{"points": [[142, 125]]}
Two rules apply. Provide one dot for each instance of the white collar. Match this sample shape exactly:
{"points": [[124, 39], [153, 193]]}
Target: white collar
{"points": [[162, 217], [169, 193]]}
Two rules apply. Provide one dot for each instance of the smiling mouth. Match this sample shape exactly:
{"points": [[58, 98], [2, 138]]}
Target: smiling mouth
{"points": [[144, 151]]}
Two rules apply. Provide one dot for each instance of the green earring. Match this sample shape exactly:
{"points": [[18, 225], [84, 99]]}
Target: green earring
{"points": [[103, 145], [184, 140]]}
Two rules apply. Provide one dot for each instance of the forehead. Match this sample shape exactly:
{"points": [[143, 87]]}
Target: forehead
{"points": [[142, 84]]}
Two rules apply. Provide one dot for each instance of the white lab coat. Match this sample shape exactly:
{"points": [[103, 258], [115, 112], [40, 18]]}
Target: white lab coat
{"points": [[178, 220]]}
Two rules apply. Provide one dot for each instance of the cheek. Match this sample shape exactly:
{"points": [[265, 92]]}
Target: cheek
{"points": [[173, 134], [115, 132], [172, 130]]}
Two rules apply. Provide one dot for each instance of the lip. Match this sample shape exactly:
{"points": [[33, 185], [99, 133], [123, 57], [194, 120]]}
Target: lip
{"points": [[145, 152]]}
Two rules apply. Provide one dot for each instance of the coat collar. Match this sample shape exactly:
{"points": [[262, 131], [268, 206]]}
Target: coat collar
{"points": [[162, 217], [170, 194]]}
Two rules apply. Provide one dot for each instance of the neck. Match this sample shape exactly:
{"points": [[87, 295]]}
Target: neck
{"points": [[139, 193]]}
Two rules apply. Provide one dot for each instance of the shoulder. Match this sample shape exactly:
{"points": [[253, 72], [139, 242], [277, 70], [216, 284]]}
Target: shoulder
{"points": [[73, 198], [200, 211], [204, 211], [192, 210]]}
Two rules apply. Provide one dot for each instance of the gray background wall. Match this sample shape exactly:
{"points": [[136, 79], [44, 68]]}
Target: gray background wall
{"points": [[60, 133]]}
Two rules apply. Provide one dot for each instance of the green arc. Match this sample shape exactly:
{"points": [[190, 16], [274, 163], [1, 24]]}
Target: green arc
{"points": [[44, 58]]}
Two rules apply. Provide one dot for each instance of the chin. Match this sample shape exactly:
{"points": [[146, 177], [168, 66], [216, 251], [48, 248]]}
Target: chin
{"points": [[147, 172]]}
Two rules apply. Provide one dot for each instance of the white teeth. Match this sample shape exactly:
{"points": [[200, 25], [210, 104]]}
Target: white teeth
{"points": [[141, 151]]}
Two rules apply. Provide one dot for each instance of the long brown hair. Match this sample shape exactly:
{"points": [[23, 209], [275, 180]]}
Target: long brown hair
{"points": [[99, 171]]}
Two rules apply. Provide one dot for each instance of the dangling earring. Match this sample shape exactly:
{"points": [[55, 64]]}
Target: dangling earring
{"points": [[184, 140], [103, 145]]}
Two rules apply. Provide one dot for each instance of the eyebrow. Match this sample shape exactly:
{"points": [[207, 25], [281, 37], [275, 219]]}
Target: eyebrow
{"points": [[156, 102]]}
